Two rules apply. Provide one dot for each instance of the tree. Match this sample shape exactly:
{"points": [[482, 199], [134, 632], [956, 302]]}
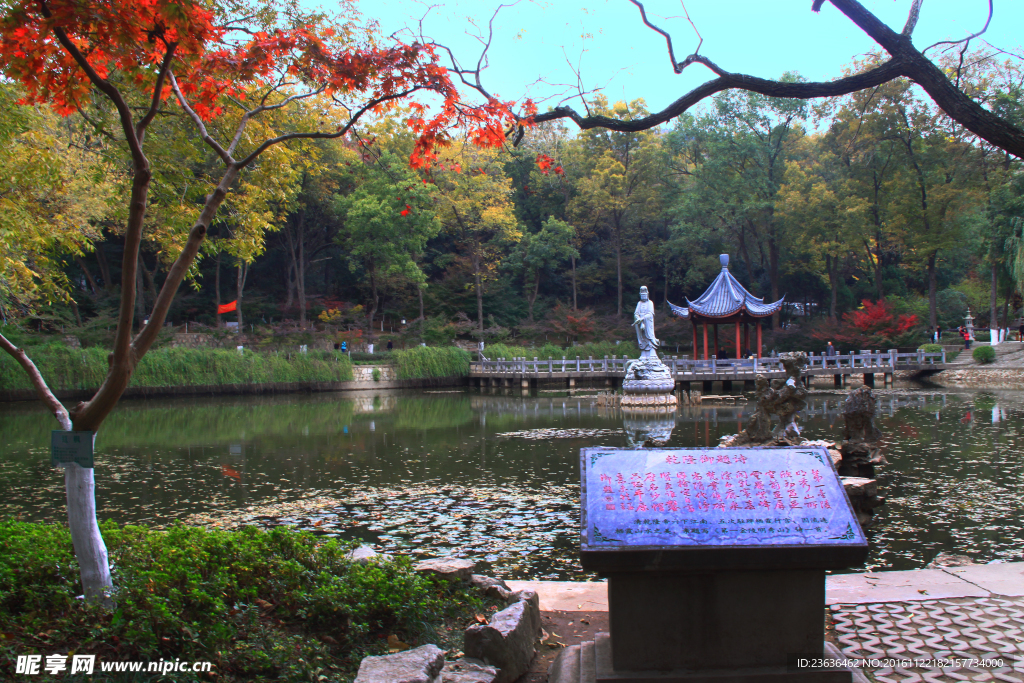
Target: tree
{"points": [[166, 56], [541, 251], [387, 222], [474, 206]]}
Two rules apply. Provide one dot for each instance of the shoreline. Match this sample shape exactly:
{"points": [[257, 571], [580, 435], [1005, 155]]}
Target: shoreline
{"points": [[14, 395]]}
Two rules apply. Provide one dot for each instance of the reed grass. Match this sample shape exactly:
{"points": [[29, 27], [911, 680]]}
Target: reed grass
{"points": [[595, 349], [432, 361], [65, 368]]}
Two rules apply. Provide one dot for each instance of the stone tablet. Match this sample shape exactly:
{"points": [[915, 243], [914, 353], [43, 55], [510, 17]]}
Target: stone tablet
{"points": [[680, 499]]}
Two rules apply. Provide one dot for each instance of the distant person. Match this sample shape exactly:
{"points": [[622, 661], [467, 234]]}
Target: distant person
{"points": [[344, 347], [1020, 333], [938, 333], [391, 345], [830, 352]]}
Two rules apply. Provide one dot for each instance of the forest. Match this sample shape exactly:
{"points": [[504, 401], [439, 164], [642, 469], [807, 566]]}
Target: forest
{"points": [[875, 203]]}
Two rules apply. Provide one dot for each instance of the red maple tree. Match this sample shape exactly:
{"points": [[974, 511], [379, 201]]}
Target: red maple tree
{"points": [[148, 57], [873, 324]]}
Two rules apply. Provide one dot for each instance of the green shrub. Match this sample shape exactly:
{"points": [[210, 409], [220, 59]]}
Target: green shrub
{"points": [[595, 349], [376, 374], [259, 605], [422, 362], [66, 368], [930, 348], [984, 354]]}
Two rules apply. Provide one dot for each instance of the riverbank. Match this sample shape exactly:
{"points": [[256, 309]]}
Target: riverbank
{"points": [[75, 374]]}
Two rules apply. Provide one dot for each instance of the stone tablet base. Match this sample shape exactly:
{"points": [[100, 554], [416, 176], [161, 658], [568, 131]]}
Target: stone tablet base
{"points": [[605, 674]]}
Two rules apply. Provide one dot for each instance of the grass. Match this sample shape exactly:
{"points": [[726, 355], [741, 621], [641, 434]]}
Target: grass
{"points": [[258, 605], [431, 361], [67, 368]]}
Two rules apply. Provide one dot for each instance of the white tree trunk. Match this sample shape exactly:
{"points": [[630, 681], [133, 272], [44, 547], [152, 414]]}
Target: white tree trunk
{"points": [[91, 551]]}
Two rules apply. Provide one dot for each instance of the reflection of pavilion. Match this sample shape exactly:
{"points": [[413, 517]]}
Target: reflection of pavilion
{"points": [[727, 301]]}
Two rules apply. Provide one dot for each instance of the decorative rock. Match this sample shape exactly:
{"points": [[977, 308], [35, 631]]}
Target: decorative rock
{"points": [[420, 665], [468, 671], [950, 560], [450, 568], [495, 588], [507, 642], [363, 554]]}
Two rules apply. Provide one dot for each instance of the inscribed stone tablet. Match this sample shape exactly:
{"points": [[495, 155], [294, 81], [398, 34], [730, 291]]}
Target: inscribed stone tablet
{"points": [[68, 447], [684, 497]]}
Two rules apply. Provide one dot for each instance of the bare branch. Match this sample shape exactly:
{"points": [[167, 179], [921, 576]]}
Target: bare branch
{"points": [[915, 12], [207, 138], [325, 136], [968, 38], [676, 66], [42, 390]]}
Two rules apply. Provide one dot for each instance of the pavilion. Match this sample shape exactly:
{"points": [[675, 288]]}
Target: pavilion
{"points": [[725, 302]]}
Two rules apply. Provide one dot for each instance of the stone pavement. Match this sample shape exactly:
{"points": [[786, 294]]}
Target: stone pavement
{"points": [[944, 624]]}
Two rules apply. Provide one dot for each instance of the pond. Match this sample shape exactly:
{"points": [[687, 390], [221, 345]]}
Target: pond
{"points": [[494, 475]]}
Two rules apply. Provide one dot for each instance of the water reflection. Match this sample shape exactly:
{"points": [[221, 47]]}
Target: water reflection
{"points": [[496, 476]]}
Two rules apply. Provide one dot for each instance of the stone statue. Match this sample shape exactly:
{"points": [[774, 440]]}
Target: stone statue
{"points": [[648, 382], [643, 321]]}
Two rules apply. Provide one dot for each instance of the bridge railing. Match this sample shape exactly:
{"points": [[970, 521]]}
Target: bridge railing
{"points": [[862, 362]]}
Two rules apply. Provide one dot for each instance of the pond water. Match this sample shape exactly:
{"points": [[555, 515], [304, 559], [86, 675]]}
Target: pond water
{"points": [[495, 476]]}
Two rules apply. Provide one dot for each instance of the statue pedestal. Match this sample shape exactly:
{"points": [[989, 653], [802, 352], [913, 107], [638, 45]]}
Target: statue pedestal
{"points": [[648, 383]]}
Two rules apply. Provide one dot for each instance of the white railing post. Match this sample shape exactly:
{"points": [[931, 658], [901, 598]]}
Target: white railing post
{"points": [[577, 363], [550, 365]]}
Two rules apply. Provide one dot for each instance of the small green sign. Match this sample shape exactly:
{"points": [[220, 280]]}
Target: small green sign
{"points": [[73, 447]]}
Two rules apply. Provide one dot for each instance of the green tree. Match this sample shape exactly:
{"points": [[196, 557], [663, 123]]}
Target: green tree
{"points": [[537, 253], [388, 219]]}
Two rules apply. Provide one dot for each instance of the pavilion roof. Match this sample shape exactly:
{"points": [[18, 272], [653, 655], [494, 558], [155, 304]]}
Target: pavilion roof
{"points": [[726, 297]]}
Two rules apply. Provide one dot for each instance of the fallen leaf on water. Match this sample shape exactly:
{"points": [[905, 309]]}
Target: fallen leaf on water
{"points": [[395, 645], [584, 621]]}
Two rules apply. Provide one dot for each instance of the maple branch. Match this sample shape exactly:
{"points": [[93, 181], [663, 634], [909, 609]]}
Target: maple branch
{"points": [[968, 38], [124, 112], [203, 133], [96, 126], [42, 390], [165, 65], [326, 136]]}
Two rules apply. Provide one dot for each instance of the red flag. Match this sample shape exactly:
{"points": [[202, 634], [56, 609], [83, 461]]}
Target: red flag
{"points": [[227, 308]]}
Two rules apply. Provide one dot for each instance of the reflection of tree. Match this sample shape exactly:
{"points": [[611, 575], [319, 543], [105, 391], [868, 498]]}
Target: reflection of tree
{"points": [[433, 413]]}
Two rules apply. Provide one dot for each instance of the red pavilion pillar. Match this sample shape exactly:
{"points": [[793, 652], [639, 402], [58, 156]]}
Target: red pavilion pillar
{"points": [[758, 338], [705, 340], [739, 351]]}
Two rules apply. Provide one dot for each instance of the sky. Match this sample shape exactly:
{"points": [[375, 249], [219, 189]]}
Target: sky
{"points": [[606, 42]]}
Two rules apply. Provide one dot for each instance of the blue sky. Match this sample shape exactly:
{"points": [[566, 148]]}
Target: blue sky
{"points": [[616, 52]]}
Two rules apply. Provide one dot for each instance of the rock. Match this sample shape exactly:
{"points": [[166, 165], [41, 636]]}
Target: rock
{"points": [[950, 560], [859, 416], [363, 554], [494, 588], [419, 665], [507, 642], [860, 487], [450, 568], [468, 671]]}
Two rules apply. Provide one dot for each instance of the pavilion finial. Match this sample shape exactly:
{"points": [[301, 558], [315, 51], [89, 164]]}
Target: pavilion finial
{"points": [[724, 259]]}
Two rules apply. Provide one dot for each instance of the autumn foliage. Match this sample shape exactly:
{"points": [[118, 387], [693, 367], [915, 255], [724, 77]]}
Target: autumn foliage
{"points": [[873, 324]]}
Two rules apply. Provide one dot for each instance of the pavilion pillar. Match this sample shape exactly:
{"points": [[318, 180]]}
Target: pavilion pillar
{"points": [[758, 338], [705, 340], [696, 350], [739, 352], [746, 337], [717, 348]]}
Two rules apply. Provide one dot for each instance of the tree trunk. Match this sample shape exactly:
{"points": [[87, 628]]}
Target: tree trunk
{"points": [[140, 298], [833, 282], [290, 300], [88, 275], [994, 312], [618, 265], [373, 294], [300, 272], [239, 288], [479, 294], [773, 274], [419, 291], [216, 286], [533, 297], [933, 315], [574, 283], [90, 550], [101, 261]]}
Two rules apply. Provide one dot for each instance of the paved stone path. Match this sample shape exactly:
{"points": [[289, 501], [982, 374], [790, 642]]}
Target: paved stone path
{"points": [[912, 617]]}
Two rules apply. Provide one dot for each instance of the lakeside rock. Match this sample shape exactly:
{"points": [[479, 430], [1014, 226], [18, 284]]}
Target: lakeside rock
{"points": [[419, 665]]}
